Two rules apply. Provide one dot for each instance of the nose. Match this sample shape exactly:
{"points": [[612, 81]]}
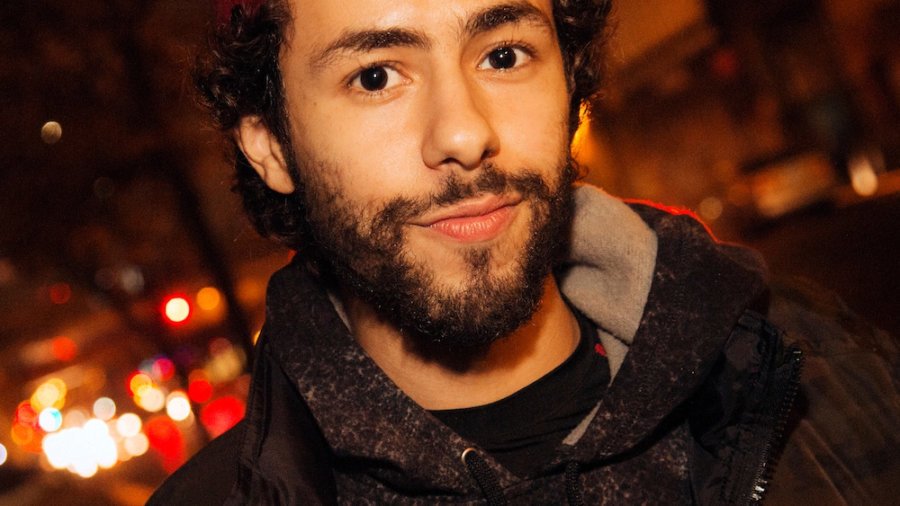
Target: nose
{"points": [[459, 132]]}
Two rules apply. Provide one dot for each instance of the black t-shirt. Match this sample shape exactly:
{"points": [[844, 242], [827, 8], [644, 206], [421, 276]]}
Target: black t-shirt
{"points": [[523, 430]]}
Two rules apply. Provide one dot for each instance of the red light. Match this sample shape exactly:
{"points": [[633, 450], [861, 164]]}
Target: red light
{"points": [[221, 414], [176, 310], [165, 437], [63, 348], [725, 63], [200, 390], [25, 415], [60, 293], [163, 369]]}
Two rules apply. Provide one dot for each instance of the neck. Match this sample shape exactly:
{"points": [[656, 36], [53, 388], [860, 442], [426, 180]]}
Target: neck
{"points": [[490, 374]]}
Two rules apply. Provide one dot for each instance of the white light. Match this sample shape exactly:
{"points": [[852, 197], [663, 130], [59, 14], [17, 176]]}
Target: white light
{"points": [[128, 425], [96, 428], [54, 446], [50, 419], [177, 309], [178, 407], [84, 467], [152, 399], [3, 454], [106, 453], [104, 408], [82, 450], [137, 445]]}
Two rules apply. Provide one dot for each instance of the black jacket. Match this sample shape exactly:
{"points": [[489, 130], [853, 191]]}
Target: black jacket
{"points": [[695, 413]]}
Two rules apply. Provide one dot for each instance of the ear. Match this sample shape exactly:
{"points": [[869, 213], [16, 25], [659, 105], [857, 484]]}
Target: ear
{"points": [[263, 151]]}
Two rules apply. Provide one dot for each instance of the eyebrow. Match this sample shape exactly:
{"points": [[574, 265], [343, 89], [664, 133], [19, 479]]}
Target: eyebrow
{"points": [[362, 41], [490, 18], [495, 16]]}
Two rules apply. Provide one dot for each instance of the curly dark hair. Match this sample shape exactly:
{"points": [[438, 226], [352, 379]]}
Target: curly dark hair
{"points": [[238, 75]]}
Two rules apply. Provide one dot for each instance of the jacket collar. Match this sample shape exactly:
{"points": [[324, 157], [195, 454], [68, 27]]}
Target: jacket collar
{"points": [[665, 307]]}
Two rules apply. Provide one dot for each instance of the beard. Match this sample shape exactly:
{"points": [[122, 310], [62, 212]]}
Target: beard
{"points": [[362, 252]]}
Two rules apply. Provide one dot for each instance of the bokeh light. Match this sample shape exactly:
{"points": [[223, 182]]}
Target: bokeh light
{"points": [[200, 390], [178, 407], [151, 399], [165, 437], [221, 414], [4, 454], [162, 369], [50, 420], [128, 425], [81, 450], [60, 293], [137, 445], [137, 382], [209, 298], [21, 434], [51, 132], [177, 309], [104, 408], [63, 348], [50, 394], [25, 414], [75, 418], [226, 362]]}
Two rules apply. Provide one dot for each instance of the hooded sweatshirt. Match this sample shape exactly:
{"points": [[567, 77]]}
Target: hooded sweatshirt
{"points": [[700, 391]]}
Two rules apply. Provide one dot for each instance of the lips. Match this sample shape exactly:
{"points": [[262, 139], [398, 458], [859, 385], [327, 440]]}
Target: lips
{"points": [[477, 220]]}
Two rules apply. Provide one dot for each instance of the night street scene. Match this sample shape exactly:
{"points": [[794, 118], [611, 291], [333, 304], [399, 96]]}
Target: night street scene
{"points": [[132, 285]]}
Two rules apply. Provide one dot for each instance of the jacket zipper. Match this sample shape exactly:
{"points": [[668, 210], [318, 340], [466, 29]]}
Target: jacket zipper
{"points": [[760, 482]]}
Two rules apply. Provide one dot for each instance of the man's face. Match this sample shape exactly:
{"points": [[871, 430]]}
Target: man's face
{"points": [[430, 139]]}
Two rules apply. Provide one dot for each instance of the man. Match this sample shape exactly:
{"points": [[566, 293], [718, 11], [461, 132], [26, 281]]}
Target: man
{"points": [[462, 322]]}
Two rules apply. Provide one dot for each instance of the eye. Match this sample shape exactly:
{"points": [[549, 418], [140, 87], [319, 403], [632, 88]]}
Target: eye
{"points": [[504, 58], [375, 78]]}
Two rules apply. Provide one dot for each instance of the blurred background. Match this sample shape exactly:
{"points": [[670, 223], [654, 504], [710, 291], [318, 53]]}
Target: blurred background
{"points": [[132, 287]]}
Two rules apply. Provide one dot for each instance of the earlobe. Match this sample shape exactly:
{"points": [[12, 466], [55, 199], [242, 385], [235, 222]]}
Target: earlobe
{"points": [[263, 151]]}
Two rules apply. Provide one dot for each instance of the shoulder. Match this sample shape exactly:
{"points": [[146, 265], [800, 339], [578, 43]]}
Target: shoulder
{"points": [[844, 440], [208, 477]]}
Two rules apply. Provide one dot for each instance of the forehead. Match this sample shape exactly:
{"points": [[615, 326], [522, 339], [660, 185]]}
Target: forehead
{"points": [[318, 22]]}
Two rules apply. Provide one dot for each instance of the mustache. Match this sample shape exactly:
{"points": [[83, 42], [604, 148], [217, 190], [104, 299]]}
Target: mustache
{"points": [[528, 184]]}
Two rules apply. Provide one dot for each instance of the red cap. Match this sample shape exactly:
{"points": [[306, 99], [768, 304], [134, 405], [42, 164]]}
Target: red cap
{"points": [[224, 8]]}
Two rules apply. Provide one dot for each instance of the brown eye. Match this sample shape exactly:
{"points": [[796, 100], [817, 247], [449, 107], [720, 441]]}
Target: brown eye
{"points": [[502, 58], [373, 78], [505, 58]]}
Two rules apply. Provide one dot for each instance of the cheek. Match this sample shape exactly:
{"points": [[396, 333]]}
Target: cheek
{"points": [[369, 154], [534, 127]]}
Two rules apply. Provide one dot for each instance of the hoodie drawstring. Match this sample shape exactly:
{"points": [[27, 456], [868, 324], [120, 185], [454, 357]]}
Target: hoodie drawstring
{"points": [[479, 470], [490, 487]]}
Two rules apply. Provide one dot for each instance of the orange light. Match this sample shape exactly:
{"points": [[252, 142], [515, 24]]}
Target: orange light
{"points": [[177, 309], [63, 348], [22, 434], [208, 298], [138, 382]]}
